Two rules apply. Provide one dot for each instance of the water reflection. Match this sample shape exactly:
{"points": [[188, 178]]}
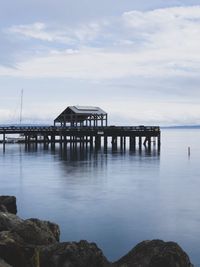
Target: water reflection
{"points": [[105, 196], [79, 153]]}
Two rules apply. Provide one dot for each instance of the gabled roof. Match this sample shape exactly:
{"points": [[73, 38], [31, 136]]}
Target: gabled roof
{"points": [[81, 111], [87, 110]]}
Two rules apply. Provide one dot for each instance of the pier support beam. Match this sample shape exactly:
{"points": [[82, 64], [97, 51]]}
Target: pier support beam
{"points": [[147, 142], [114, 142], [53, 141], [4, 142], [132, 142], [159, 141], [98, 142], [140, 142], [105, 142], [91, 141], [124, 142], [121, 142]]}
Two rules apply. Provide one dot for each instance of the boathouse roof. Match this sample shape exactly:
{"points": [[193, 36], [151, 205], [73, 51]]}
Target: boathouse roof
{"points": [[87, 110], [81, 111]]}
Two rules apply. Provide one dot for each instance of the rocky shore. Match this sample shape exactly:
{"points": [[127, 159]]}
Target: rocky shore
{"points": [[35, 243]]}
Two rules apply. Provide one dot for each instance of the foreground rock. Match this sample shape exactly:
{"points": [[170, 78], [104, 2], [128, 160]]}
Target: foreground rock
{"points": [[155, 253], [35, 243], [32, 231], [4, 264], [8, 204], [73, 254]]}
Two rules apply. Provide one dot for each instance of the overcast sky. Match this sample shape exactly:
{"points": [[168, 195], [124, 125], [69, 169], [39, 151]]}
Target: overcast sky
{"points": [[138, 60]]}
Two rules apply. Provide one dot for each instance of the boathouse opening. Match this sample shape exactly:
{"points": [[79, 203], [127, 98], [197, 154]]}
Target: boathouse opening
{"points": [[75, 116]]}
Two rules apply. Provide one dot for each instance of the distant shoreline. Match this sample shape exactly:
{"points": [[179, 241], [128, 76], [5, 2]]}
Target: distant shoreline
{"points": [[181, 127]]}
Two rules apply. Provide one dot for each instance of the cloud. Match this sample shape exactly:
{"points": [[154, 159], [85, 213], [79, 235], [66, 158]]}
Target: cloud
{"points": [[38, 31], [41, 31], [146, 62], [158, 43], [176, 28], [94, 64]]}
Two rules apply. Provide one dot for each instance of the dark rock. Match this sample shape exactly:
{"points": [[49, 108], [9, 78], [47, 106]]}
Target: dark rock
{"points": [[33, 231], [48, 227], [155, 253], [20, 240], [73, 254], [4, 264], [32, 234], [15, 252], [9, 221], [8, 204], [3, 208]]}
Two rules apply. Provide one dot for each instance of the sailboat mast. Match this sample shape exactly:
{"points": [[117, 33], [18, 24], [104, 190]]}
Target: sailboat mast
{"points": [[21, 106]]}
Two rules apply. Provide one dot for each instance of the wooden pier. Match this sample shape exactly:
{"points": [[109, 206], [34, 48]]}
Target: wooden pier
{"points": [[85, 126], [114, 136]]}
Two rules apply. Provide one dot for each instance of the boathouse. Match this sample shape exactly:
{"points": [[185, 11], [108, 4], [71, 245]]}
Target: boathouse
{"points": [[82, 116]]}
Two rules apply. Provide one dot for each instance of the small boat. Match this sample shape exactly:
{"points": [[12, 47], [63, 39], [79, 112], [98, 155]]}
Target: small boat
{"points": [[14, 140]]}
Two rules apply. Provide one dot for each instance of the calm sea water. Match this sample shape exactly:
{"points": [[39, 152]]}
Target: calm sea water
{"points": [[114, 199]]}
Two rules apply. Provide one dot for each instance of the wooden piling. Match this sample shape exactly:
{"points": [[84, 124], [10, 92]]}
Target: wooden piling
{"points": [[124, 143], [114, 142], [188, 151], [105, 142], [140, 142], [121, 142]]}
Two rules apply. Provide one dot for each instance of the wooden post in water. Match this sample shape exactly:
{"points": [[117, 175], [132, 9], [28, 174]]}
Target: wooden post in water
{"points": [[61, 140], [114, 142], [189, 151], [149, 142], [4, 142], [97, 142], [145, 141], [86, 141], [140, 142], [91, 141], [75, 140], [105, 142], [124, 142], [121, 142], [65, 139], [53, 141], [132, 143], [159, 143], [82, 142]]}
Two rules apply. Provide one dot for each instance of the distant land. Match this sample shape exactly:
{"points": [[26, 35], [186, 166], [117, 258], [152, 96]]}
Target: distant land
{"points": [[181, 127]]}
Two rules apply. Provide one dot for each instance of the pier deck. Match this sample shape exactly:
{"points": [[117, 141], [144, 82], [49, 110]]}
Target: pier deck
{"points": [[137, 135]]}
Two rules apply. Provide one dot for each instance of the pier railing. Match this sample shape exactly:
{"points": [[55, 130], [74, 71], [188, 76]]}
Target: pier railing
{"points": [[21, 129]]}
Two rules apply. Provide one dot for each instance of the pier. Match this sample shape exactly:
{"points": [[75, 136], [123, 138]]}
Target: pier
{"points": [[85, 126], [135, 136]]}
